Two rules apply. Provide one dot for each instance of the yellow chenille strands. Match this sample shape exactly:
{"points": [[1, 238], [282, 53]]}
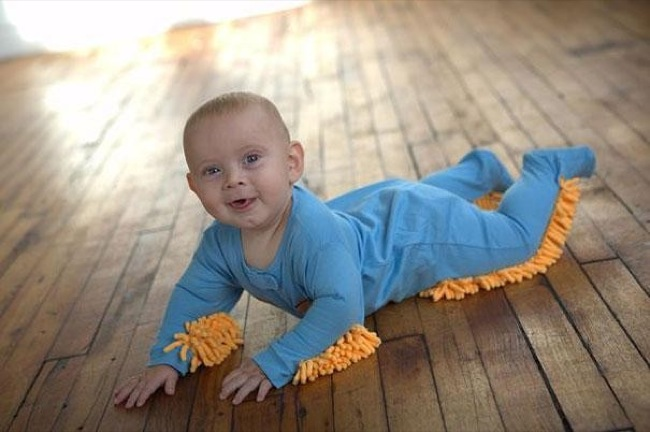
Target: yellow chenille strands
{"points": [[489, 201], [357, 344], [548, 253], [210, 339]]}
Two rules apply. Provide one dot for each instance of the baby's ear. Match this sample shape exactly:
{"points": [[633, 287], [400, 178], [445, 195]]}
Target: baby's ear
{"points": [[190, 182], [296, 161]]}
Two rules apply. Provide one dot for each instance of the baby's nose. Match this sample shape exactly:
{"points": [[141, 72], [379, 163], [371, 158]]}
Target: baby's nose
{"points": [[234, 178]]}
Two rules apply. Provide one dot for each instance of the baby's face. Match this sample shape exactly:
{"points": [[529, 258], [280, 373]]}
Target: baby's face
{"points": [[242, 167]]}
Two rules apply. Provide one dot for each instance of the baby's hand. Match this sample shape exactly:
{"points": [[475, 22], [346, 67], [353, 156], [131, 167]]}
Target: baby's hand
{"points": [[137, 389], [245, 379]]}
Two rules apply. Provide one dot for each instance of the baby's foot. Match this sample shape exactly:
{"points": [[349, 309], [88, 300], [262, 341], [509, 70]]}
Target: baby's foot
{"points": [[570, 162], [496, 174]]}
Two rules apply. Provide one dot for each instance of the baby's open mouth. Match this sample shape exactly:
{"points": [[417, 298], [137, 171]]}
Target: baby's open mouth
{"points": [[241, 204]]}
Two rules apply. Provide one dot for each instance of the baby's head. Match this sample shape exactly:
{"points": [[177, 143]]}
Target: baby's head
{"points": [[234, 102], [242, 163]]}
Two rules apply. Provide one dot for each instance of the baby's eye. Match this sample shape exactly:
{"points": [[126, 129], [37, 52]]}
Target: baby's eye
{"points": [[251, 159], [211, 171]]}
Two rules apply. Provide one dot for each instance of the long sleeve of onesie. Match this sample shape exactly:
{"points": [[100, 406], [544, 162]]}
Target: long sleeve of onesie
{"points": [[203, 289], [333, 281], [317, 261]]}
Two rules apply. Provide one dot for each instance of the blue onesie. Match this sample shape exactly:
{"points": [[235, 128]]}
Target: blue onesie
{"points": [[381, 243]]}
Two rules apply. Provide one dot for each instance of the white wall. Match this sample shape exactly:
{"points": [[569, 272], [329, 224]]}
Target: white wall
{"points": [[11, 43], [59, 25]]}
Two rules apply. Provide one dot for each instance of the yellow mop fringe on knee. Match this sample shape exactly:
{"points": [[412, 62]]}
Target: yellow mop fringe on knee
{"points": [[211, 339]]}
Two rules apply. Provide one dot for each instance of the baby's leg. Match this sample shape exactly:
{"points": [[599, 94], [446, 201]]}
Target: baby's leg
{"points": [[477, 173], [477, 242], [531, 199]]}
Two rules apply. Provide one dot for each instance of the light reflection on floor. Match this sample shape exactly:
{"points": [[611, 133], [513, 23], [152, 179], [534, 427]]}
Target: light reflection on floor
{"points": [[62, 25]]}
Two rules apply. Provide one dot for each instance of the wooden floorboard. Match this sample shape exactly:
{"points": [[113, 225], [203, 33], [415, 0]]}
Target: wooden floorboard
{"points": [[96, 222]]}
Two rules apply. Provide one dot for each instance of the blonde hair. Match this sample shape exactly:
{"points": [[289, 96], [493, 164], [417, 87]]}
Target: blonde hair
{"points": [[233, 102]]}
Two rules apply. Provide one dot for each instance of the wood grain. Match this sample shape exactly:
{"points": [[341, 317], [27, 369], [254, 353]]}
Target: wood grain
{"points": [[97, 222], [629, 304], [521, 394], [619, 361], [410, 393], [466, 397], [585, 398]]}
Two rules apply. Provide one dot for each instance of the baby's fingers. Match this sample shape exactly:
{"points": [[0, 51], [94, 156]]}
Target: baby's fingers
{"points": [[170, 385], [141, 392], [134, 397], [250, 385], [232, 382], [125, 390], [265, 388]]}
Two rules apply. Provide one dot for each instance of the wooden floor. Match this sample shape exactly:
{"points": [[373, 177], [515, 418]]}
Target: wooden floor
{"points": [[96, 221]]}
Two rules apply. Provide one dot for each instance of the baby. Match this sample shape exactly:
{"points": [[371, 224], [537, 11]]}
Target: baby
{"points": [[332, 263]]}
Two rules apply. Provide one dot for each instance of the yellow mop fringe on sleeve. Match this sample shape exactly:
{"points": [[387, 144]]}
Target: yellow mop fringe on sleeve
{"points": [[357, 344], [212, 338], [547, 254], [209, 339]]}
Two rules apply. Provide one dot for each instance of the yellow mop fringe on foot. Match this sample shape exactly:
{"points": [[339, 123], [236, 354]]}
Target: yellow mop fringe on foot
{"points": [[211, 339], [547, 254]]}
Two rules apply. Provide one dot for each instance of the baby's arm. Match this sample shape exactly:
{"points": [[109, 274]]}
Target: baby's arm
{"points": [[203, 290], [249, 376], [337, 304], [333, 284]]}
